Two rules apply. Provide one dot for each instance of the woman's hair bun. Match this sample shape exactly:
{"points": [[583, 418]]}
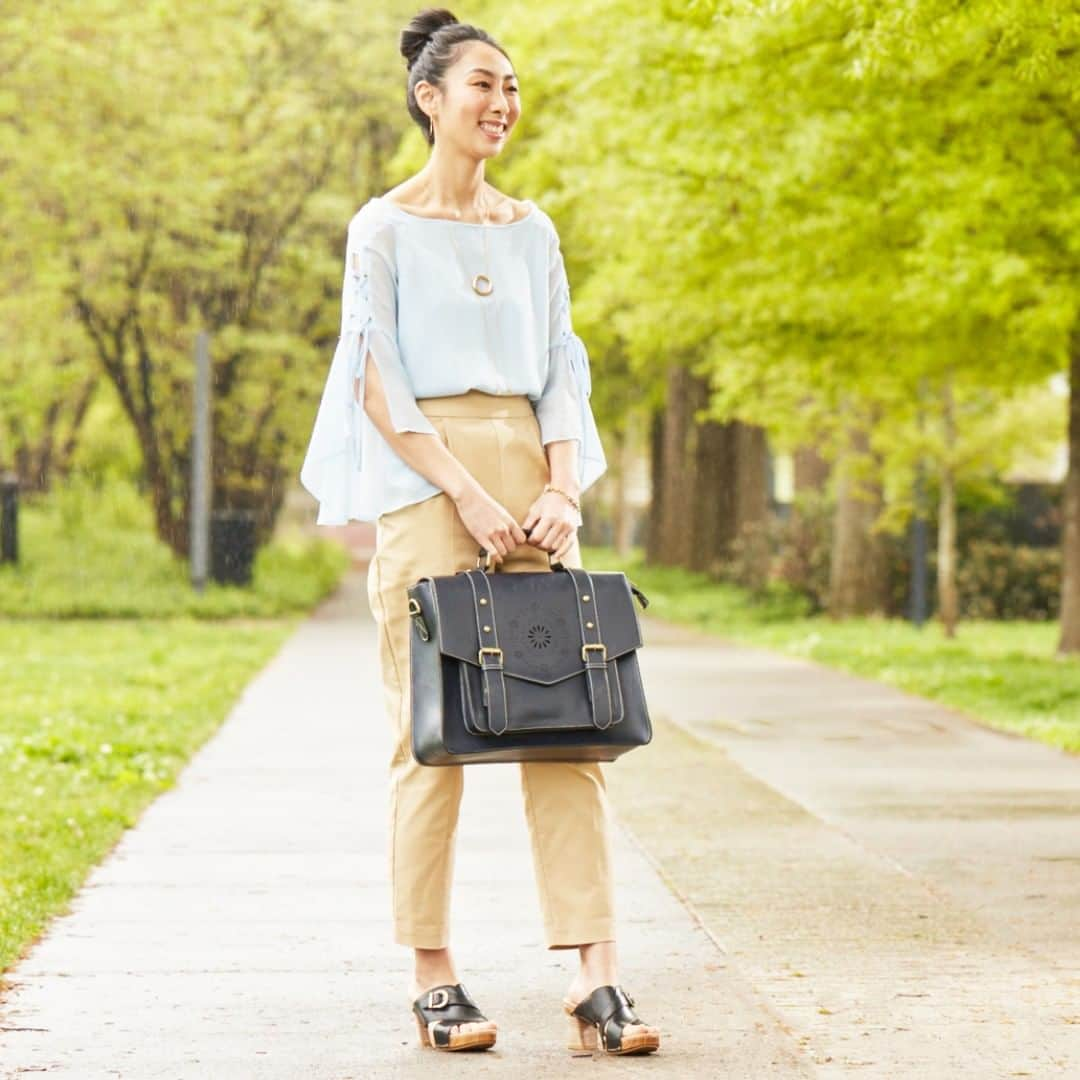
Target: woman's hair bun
{"points": [[420, 29]]}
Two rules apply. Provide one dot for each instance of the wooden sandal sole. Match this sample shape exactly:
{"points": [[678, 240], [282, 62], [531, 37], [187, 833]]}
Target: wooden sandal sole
{"points": [[469, 1040], [585, 1037]]}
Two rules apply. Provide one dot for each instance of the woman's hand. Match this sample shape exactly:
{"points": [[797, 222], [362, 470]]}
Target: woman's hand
{"points": [[489, 522], [553, 522]]}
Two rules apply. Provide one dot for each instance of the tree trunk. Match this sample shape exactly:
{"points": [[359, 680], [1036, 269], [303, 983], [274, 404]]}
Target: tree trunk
{"points": [[1069, 641], [727, 486], [656, 486], [622, 519], [810, 468], [714, 475], [751, 503], [948, 604], [856, 577], [38, 463], [708, 483], [82, 406], [674, 520], [751, 491]]}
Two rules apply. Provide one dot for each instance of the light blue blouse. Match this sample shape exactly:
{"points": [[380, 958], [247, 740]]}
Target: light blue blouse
{"points": [[407, 301]]}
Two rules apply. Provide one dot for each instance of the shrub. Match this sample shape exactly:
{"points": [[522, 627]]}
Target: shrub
{"points": [[996, 579], [1008, 581]]}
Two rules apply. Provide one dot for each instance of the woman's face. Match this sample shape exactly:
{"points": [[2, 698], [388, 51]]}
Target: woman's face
{"points": [[480, 102]]}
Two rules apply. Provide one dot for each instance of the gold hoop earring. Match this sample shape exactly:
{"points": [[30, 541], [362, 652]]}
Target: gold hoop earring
{"points": [[431, 127]]}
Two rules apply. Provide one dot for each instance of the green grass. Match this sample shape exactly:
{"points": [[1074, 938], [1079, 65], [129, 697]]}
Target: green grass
{"points": [[93, 554], [1004, 674], [98, 718], [113, 672]]}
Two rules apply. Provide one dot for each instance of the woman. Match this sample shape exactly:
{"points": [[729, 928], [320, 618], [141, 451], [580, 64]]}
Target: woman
{"points": [[456, 416]]}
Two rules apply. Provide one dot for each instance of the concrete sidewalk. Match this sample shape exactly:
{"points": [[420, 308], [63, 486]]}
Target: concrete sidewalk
{"points": [[901, 882], [819, 876], [241, 929]]}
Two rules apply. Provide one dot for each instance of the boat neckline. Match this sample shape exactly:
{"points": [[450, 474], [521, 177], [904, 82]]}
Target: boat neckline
{"points": [[450, 221]]}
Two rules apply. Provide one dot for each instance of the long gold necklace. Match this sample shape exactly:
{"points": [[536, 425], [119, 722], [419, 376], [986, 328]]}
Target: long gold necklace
{"points": [[481, 283]]}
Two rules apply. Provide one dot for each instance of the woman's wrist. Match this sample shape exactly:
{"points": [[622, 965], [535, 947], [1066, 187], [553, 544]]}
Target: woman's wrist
{"points": [[567, 491], [463, 483]]}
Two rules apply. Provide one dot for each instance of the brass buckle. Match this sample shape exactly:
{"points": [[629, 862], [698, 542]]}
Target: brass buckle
{"points": [[488, 648], [437, 1002], [414, 606], [594, 645]]}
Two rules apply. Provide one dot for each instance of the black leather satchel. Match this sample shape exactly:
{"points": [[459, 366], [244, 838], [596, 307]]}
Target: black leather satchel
{"points": [[525, 666]]}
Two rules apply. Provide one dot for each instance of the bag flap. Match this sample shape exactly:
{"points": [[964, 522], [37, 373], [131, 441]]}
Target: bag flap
{"points": [[537, 620]]}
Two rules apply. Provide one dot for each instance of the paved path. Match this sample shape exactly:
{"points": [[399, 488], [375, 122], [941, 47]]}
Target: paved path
{"points": [[819, 877], [902, 883], [241, 929]]}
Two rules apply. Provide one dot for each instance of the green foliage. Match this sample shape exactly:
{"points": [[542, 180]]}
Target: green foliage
{"points": [[1009, 581], [187, 168], [107, 448], [101, 713], [996, 578], [90, 551], [801, 544], [845, 213]]}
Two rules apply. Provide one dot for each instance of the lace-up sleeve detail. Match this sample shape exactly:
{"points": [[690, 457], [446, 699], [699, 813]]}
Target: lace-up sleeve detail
{"points": [[563, 409], [340, 468]]}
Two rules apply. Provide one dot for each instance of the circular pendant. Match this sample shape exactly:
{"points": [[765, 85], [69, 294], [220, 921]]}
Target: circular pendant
{"points": [[482, 284]]}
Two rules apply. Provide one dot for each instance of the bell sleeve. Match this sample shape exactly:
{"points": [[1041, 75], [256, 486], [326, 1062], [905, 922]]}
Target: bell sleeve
{"points": [[340, 468], [563, 409]]}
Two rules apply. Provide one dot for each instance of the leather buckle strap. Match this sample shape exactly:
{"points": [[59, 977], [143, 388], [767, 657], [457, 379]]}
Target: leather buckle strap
{"points": [[605, 694], [487, 633]]}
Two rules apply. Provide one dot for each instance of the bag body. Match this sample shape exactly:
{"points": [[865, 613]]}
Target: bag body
{"points": [[525, 666]]}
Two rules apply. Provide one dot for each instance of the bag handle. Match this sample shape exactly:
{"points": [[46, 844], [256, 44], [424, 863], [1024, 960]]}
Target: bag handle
{"points": [[553, 564], [485, 557]]}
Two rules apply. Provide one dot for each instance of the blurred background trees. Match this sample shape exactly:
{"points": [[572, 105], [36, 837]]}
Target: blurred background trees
{"points": [[824, 255], [169, 169], [845, 231]]}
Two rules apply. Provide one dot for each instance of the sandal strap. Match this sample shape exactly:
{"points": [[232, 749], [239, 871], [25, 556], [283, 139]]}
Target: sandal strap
{"points": [[449, 1004], [605, 1006]]}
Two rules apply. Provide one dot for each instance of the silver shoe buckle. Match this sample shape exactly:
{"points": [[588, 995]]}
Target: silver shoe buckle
{"points": [[437, 999]]}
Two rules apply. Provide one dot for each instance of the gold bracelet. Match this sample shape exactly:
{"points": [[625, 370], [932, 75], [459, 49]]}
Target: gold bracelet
{"points": [[572, 500]]}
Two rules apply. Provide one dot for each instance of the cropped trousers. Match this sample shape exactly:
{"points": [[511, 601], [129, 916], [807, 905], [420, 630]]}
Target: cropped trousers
{"points": [[497, 439]]}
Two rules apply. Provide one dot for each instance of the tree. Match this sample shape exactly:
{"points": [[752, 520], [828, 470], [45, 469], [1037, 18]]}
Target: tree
{"points": [[839, 207], [188, 169]]}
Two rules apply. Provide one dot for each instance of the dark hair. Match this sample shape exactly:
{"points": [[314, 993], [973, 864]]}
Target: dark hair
{"points": [[430, 45]]}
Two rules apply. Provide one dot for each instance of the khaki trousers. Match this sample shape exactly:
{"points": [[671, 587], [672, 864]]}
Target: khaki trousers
{"points": [[497, 439]]}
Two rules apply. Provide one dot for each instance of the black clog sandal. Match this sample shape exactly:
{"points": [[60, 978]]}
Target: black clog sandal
{"points": [[437, 1011], [602, 1016]]}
